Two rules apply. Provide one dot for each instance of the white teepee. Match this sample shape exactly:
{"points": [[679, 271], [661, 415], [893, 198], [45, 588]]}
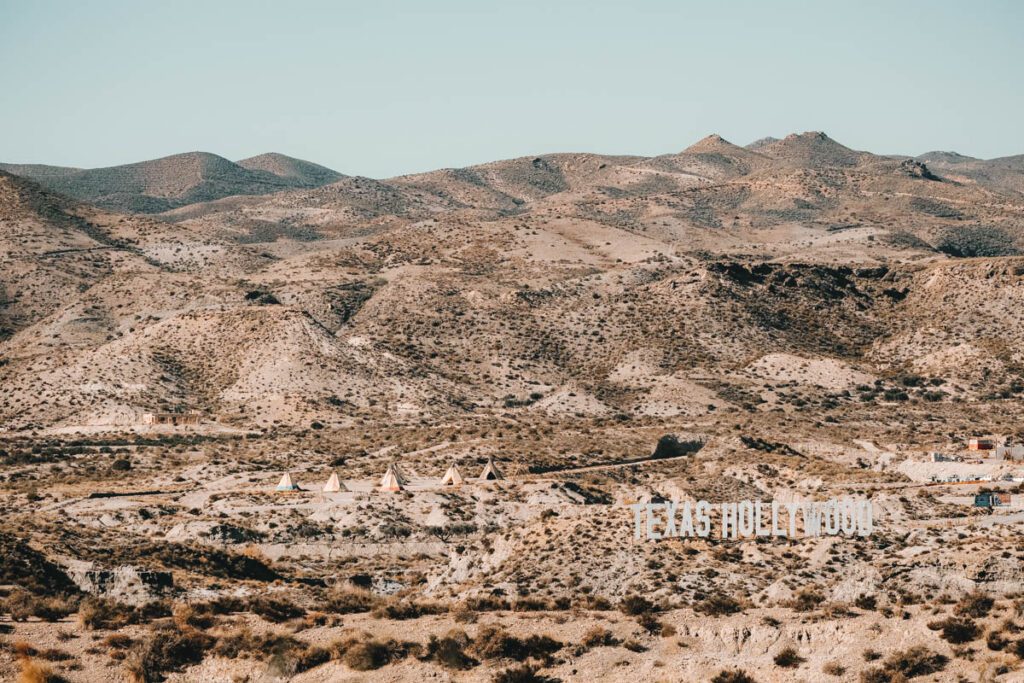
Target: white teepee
{"points": [[452, 477], [286, 483], [491, 472], [334, 484], [392, 480]]}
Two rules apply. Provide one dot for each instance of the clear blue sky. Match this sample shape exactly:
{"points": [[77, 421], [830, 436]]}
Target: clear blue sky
{"points": [[381, 88]]}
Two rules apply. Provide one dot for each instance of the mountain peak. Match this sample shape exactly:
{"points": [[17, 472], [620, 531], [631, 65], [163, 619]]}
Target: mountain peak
{"points": [[813, 149], [756, 145], [712, 143], [299, 171]]}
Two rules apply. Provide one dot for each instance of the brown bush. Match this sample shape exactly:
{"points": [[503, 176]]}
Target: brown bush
{"points": [[367, 655], [33, 672], [450, 650], [275, 610], [866, 602], [165, 651], [834, 669], [718, 605], [524, 673], [401, 610], [599, 637], [349, 601], [788, 658], [917, 661], [996, 641], [493, 642], [957, 630], [634, 605], [732, 676], [975, 605], [806, 600], [242, 642], [100, 613], [21, 605]]}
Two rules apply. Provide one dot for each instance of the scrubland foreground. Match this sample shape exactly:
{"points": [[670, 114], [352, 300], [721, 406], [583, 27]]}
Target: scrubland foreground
{"points": [[792, 320]]}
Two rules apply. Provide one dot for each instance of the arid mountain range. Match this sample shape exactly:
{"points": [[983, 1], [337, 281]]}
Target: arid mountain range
{"points": [[190, 348], [785, 275]]}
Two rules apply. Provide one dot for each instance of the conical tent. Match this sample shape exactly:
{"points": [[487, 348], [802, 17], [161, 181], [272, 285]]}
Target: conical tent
{"points": [[491, 472], [392, 480], [452, 477], [286, 483], [334, 484]]}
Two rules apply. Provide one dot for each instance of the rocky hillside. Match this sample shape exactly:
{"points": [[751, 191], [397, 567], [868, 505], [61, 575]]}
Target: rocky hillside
{"points": [[719, 280], [178, 180]]}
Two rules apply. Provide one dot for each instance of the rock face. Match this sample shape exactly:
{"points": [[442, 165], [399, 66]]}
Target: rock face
{"points": [[127, 584]]}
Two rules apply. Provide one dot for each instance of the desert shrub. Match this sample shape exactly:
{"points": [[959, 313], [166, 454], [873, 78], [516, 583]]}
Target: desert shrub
{"points": [[806, 600], [634, 645], [185, 615], [310, 658], [23, 650], [833, 669], [596, 603], [718, 605], [493, 642], [634, 605], [978, 240], [975, 605], [956, 630], [462, 615], [788, 658], [21, 605], [274, 609], [101, 613], [118, 641], [349, 601], [406, 609], [539, 604], [486, 603], [866, 602], [917, 661], [242, 642], [31, 671], [524, 673], [166, 651], [367, 655], [599, 636], [654, 626], [450, 651], [996, 641], [732, 676]]}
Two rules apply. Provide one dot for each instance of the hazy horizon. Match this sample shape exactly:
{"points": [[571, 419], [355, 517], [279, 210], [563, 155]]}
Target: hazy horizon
{"points": [[395, 89]]}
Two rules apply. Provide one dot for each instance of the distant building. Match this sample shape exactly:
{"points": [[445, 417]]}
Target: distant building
{"points": [[991, 499], [980, 445], [1009, 452], [942, 457], [188, 417]]}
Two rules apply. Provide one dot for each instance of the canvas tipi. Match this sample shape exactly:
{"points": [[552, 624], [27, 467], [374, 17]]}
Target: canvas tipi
{"points": [[286, 483], [452, 477], [491, 472], [334, 484], [392, 480]]}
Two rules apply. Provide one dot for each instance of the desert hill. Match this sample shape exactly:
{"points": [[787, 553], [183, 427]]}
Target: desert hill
{"points": [[177, 180], [560, 284], [303, 173]]}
